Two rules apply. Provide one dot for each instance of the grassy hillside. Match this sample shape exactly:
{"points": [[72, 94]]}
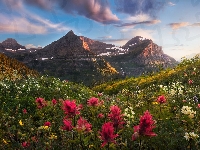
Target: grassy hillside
{"points": [[181, 73], [11, 68], [159, 111]]}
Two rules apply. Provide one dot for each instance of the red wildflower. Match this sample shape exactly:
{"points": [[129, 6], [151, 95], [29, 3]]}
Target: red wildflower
{"points": [[93, 101], [24, 111], [83, 125], [40, 102], [67, 125], [100, 115], [190, 81], [100, 94], [145, 127], [198, 105], [25, 144], [161, 99], [47, 124], [54, 101], [115, 116], [70, 108], [107, 133]]}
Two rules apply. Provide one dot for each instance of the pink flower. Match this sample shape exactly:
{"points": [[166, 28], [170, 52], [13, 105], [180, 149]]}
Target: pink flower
{"points": [[190, 81], [40, 103], [100, 115], [145, 127], [25, 144], [67, 125], [107, 133], [93, 101], [24, 111], [115, 116], [161, 99], [70, 108], [54, 101], [198, 105], [100, 94], [47, 124], [83, 125]]}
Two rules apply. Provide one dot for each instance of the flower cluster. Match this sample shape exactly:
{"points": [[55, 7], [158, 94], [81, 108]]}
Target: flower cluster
{"points": [[161, 99], [145, 127], [40, 102], [83, 125], [93, 101], [129, 114], [188, 111], [70, 108], [190, 135], [107, 133], [116, 117]]}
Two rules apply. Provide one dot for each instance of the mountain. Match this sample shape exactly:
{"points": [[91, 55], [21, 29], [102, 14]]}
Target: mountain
{"points": [[81, 59], [70, 58], [142, 56], [12, 44]]}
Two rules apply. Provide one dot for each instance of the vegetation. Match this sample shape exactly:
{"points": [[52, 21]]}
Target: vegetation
{"points": [[159, 111]]}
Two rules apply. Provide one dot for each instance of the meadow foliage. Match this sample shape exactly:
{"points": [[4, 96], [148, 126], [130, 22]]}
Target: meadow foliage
{"points": [[159, 111]]}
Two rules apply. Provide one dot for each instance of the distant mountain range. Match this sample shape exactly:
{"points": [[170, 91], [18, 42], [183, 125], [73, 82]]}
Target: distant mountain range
{"points": [[80, 59]]}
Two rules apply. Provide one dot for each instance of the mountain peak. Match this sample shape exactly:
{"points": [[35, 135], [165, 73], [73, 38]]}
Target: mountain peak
{"points": [[70, 33], [11, 43]]}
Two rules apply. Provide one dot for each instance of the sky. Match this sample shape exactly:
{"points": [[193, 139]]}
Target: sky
{"points": [[172, 24]]}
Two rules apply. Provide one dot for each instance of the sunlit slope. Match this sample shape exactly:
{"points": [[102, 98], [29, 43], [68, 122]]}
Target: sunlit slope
{"points": [[178, 73]]}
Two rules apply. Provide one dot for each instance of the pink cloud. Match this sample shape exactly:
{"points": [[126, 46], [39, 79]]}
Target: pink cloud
{"points": [[175, 26]]}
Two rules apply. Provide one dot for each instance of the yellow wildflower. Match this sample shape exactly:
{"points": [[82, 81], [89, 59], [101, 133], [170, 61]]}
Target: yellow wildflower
{"points": [[21, 123], [5, 141], [155, 103]]}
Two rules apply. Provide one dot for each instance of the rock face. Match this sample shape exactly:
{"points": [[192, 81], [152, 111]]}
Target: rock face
{"points": [[80, 59], [12, 44], [143, 56]]}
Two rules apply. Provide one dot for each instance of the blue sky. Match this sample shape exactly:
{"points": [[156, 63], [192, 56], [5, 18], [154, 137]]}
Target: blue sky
{"points": [[172, 24]]}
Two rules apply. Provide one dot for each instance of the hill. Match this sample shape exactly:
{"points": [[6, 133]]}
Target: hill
{"points": [[168, 76], [11, 68]]}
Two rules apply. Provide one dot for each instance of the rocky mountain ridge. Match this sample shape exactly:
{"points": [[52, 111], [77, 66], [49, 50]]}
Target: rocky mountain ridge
{"points": [[79, 58]]}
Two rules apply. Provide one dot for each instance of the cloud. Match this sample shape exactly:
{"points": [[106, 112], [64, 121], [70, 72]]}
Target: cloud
{"points": [[22, 25], [195, 24], [151, 22], [135, 7], [143, 33], [28, 46], [171, 4], [97, 10], [175, 26], [105, 37]]}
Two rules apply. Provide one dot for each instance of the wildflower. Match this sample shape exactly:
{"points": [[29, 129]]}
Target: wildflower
{"points": [[188, 111], [145, 127], [54, 101], [53, 136], [190, 135], [107, 133], [43, 128], [198, 105], [70, 108], [40, 103], [5, 141], [83, 125], [24, 111], [25, 144], [161, 99], [115, 116], [21, 123], [47, 124], [93, 101], [100, 115], [190, 81], [67, 125], [100, 94]]}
